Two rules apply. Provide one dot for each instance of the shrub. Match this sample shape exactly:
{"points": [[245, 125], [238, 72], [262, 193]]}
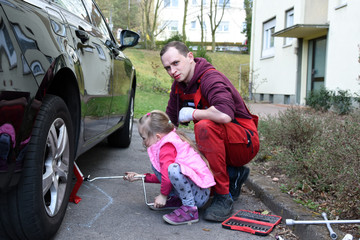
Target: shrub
{"points": [[201, 52], [342, 102], [319, 100], [323, 100], [320, 154]]}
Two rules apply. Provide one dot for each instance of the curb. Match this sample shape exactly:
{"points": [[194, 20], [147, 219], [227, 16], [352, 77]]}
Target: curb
{"points": [[284, 206]]}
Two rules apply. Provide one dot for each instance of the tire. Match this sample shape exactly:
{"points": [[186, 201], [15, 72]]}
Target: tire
{"points": [[36, 208], [122, 137]]}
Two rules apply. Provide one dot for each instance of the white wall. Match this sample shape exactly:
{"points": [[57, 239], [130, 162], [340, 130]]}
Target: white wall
{"points": [[343, 67], [279, 71], [342, 70]]}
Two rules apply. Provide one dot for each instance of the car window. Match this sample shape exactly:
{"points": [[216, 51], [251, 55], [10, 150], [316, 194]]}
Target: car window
{"points": [[74, 6], [97, 18]]}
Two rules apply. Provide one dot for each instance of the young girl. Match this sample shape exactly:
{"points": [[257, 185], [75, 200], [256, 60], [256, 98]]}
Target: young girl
{"points": [[184, 174]]}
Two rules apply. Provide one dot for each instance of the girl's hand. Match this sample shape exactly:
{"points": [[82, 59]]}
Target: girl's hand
{"points": [[130, 176], [160, 201]]}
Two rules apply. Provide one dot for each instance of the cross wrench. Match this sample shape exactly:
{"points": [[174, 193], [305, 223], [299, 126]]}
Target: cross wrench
{"points": [[122, 177], [333, 235]]}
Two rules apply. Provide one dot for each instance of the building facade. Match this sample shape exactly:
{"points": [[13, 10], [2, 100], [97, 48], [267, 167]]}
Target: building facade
{"points": [[301, 45], [229, 31]]}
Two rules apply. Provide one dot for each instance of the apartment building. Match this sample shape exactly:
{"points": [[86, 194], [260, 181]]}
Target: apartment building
{"points": [[301, 45], [229, 31]]}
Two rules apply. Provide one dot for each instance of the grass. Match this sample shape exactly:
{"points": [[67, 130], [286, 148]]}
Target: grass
{"points": [[147, 101], [152, 77]]}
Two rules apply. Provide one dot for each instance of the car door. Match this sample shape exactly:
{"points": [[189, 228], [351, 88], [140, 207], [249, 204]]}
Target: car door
{"points": [[96, 63], [121, 68]]}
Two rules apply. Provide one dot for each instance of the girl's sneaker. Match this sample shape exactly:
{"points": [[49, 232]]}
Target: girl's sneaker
{"points": [[182, 215], [172, 202]]}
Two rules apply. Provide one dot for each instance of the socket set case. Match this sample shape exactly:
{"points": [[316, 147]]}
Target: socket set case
{"points": [[252, 222]]}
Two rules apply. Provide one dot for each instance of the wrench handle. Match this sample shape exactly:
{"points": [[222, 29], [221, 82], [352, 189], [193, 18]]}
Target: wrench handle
{"points": [[333, 235]]}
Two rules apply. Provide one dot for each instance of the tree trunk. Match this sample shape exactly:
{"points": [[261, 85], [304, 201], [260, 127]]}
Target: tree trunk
{"points": [[213, 22], [186, 3]]}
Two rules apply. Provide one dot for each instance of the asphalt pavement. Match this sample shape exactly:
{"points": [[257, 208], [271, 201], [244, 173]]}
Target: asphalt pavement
{"points": [[116, 209]]}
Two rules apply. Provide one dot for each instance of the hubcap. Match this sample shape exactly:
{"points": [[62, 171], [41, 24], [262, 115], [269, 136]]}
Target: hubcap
{"points": [[131, 117], [56, 167]]}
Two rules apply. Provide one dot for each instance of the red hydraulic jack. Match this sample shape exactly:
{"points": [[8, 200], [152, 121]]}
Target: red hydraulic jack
{"points": [[79, 180]]}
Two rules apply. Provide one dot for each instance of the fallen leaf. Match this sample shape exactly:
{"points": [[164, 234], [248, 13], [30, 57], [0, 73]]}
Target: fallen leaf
{"points": [[266, 212], [206, 229]]}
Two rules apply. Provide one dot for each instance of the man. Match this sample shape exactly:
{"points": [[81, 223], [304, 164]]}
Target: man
{"points": [[225, 131]]}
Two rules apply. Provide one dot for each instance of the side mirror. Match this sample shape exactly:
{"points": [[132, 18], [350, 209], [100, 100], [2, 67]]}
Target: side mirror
{"points": [[128, 39]]}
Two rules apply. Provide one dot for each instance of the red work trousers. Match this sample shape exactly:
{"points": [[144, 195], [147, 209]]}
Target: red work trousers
{"points": [[226, 145]]}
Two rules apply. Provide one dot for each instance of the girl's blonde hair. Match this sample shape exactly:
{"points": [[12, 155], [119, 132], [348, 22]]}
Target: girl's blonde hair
{"points": [[159, 122]]}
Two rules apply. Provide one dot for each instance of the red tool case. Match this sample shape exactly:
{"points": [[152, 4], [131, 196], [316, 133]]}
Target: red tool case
{"points": [[252, 222]]}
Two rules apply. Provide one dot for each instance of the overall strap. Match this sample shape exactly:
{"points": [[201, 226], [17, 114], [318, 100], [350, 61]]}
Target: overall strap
{"points": [[198, 96]]}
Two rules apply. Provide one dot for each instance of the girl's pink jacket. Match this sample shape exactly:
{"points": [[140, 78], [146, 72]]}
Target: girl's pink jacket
{"points": [[191, 163]]}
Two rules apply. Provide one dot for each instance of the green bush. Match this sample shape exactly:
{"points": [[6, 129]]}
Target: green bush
{"points": [[201, 52], [342, 102], [319, 100], [323, 100]]}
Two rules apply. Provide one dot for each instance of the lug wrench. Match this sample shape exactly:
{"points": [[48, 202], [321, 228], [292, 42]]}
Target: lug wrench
{"points": [[333, 235], [327, 222], [122, 177]]}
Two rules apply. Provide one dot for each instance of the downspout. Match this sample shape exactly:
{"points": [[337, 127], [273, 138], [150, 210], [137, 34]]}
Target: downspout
{"points": [[298, 70], [252, 49]]}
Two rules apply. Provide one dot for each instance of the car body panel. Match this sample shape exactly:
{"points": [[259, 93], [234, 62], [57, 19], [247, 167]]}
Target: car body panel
{"points": [[40, 52]]}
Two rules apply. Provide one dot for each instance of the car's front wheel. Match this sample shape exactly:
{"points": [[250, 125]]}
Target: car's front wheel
{"points": [[122, 137], [36, 208]]}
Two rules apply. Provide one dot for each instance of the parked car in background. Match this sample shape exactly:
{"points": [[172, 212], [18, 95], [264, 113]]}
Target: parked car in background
{"points": [[65, 85]]}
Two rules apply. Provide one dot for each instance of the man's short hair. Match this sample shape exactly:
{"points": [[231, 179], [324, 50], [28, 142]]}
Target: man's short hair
{"points": [[180, 46]]}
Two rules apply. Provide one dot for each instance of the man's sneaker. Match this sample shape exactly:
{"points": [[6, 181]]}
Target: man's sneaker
{"points": [[237, 176], [182, 215], [220, 208], [172, 202]]}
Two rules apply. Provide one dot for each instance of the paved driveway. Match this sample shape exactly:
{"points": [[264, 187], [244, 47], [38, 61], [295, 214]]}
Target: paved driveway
{"points": [[265, 109], [115, 209]]}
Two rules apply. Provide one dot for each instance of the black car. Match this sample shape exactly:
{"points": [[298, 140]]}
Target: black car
{"points": [[65, 85]]}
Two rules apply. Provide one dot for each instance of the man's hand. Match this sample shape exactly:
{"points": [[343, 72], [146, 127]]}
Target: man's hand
{"points": [[186, 114]]}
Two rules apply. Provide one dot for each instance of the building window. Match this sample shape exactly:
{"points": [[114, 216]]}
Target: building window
{"points": [[289, 21], [198, 2], [193, 24], [222, 2], [244, 26], [268, 49], [171, 3], [287, 99], [172, 26], [271, 98], [223, 27]]}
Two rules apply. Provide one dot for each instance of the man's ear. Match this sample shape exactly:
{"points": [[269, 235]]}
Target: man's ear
{"points": [[190, 55]]}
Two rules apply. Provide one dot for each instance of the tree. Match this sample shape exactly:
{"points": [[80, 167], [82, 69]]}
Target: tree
{"points": [[150, 21], [201, 21], [124, 18], [186, 3], [214, 23], [248, 4]]}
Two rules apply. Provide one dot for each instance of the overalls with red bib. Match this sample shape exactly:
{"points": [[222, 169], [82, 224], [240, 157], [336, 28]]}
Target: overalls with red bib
{"points": [[233, 144]]}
